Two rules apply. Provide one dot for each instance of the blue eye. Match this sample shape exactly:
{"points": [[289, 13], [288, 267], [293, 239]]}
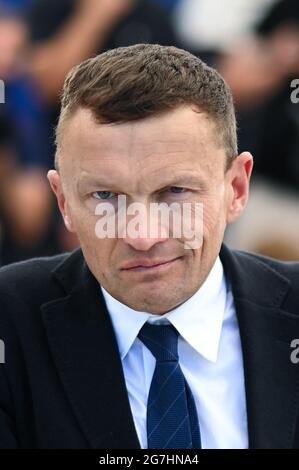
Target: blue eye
{"points": [[176, 189], [104, 194]]}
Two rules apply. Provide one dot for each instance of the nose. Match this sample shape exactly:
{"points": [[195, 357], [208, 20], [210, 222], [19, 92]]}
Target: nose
{"points": [[145, 234], [143, 244]]}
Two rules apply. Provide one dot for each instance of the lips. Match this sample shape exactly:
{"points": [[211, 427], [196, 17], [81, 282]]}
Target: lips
{"points": [[146, 264]]}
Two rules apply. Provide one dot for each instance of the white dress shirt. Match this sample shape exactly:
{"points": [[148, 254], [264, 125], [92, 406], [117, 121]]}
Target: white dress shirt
{"points": [[210, 357]]}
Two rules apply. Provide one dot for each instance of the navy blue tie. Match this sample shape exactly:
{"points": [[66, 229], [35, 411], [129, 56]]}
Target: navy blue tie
{"points": [[172, 421]]}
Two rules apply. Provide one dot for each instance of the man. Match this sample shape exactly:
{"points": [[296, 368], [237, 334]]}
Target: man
{"points": [[149, 341]]}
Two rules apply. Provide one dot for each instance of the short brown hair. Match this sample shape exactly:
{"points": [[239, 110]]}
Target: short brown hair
{"points": [[131, 83]]}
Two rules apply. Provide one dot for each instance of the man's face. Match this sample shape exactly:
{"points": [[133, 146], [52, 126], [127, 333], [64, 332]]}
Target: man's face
{"points": [[175, 157]]}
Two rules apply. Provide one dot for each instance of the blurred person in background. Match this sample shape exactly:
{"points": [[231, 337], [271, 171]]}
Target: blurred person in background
{"points": [[168, 5], [25, 199], [65, 32], [5, 161], [43, 40], [255, 45]]}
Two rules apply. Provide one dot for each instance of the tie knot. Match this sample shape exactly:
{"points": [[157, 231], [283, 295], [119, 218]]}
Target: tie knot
{"points": [[161, 340]]}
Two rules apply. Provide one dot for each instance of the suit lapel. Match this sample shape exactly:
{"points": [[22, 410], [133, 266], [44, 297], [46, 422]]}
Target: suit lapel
{"points": [[85, 351], [266, 330]]}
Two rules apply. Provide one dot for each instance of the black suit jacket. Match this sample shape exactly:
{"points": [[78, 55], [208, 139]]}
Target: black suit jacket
{"points": [[62, 384]]}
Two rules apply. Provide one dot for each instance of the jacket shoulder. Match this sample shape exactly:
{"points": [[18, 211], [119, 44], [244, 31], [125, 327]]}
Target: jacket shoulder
{"points": [[30, 268], [28, 279], [288, 269]]}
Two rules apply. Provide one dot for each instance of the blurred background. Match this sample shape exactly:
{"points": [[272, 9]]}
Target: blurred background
{"points": [[253, 43]]}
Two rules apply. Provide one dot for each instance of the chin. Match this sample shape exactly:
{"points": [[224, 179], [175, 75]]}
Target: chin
{"points": [[153, 304]]}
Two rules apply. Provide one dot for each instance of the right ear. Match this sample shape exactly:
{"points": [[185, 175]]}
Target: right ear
{"points": [[56, 185]]}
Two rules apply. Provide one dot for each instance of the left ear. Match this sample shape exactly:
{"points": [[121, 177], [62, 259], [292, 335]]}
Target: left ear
{"points": [[238, 180]]}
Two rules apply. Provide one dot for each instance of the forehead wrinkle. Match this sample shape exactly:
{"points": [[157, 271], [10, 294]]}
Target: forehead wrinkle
{"points": [[93, 179], [156, 151], [168, 142], [163, 149]]}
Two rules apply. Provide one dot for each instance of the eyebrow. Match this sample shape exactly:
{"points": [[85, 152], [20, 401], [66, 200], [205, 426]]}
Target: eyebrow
{"points": [[187, 180]]}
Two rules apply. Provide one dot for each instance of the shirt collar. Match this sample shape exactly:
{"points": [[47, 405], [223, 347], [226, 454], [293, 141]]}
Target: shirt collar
{"points": [[198, 320]]}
